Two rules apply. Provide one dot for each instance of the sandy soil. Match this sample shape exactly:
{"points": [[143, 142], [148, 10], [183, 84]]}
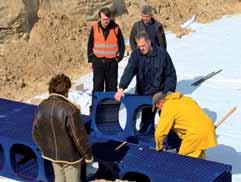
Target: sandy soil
{"points": [[57, 42]]}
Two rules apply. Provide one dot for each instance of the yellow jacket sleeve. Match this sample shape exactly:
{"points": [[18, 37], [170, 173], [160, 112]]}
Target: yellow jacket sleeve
{"points": [[163, 127]]}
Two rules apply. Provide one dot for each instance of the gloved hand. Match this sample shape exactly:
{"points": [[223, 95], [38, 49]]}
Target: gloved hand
{"points": [[159, 146], [158, 149]]}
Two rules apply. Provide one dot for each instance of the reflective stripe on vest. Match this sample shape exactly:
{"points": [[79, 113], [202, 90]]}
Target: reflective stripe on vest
{"points": [[107, 48]]}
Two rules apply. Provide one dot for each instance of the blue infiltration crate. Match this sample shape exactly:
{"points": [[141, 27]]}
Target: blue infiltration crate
{"points": [[20, 158], [106, 124], [158, 166], [15, 133], [1, 158]]}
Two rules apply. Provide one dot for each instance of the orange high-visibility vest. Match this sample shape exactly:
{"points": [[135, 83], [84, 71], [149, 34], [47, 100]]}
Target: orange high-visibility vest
{"points": [[105, 48]]}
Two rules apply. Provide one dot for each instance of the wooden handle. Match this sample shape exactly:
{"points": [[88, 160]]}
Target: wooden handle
{"points": [[121, 145], [225, 117]]}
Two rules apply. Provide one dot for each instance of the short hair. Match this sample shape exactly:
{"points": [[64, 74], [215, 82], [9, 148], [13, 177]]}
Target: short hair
{"points": [[59, 84], [105, 11], [142, 34], [156, 99], [146, 10]]}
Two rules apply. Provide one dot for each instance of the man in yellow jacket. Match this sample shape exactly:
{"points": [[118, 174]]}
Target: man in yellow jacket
{"points": [[187, 119]]}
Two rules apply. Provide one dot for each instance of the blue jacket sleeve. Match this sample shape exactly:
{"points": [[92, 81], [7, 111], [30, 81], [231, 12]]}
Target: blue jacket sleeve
{"points": [[129, 72], [170, 75]]}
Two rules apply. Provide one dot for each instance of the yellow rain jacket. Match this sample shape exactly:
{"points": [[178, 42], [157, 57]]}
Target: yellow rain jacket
{"points": [[188, 121]]}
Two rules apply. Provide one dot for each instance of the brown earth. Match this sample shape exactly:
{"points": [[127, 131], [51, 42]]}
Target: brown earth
{"points": [[56, 42]]}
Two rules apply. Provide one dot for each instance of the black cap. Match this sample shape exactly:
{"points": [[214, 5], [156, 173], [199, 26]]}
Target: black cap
{"points": [[146, 10]]}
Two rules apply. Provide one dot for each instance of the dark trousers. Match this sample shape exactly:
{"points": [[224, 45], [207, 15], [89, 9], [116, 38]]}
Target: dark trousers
{"points": [[105, 75], [147, 126], [147, 120]]}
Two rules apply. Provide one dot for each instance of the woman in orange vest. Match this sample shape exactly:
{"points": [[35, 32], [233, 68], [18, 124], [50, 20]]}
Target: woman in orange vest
{"points": [[106, 48]]}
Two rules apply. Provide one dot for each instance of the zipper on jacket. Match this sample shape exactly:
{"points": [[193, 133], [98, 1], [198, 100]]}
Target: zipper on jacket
{"points": [[52, 126]]}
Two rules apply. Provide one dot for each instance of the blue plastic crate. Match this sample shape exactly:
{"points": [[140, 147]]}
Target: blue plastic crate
{"points": [[157, 166], [105, 120], [1, 157], [16, 120], [20, 158]]}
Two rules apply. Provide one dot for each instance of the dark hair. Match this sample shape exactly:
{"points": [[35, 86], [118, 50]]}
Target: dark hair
{"points": [[59, 84], [142, 34], [105, 11]]}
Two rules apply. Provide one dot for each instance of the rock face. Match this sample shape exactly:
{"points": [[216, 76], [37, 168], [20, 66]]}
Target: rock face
{"points": [[17, 17], [87, 8]]}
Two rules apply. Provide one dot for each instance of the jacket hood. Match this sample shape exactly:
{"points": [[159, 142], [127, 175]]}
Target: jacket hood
{"points": [[174, 95]]}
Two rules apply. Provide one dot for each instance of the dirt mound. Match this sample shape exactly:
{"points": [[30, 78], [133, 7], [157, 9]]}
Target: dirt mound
{"points": [[54, 45], [57, 40], [173, 13]]}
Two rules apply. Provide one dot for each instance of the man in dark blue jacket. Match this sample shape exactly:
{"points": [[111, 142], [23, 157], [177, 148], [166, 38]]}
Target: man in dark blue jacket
{"points": [[152, 67]]}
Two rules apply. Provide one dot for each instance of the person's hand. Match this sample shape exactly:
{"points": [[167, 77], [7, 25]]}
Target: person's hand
{"points": [[158, 149], [117, 59], [120, 93], [159, 146]]}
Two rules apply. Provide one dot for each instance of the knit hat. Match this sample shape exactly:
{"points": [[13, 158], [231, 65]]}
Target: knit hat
{"points": [[156, 98], [146, 10]]}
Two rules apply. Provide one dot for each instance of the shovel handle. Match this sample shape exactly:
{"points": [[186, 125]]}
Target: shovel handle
{"points": [[121, 145], [225, 117]]}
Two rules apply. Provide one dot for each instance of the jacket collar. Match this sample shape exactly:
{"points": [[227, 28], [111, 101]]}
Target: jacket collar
{"points": [[110, 25], [153, 53], [152, 21], [52, 95], [173, 95]]}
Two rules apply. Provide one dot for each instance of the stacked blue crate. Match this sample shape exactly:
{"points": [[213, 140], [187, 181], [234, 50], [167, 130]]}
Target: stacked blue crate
{"points": [[20, 158], [161, 166], [105, 120], [1, 157], [105, 113]]}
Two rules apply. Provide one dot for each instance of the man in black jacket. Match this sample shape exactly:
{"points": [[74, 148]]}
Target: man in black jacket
{"points": [[106, 48], [151, 26], [59, 132], [153, 69]]}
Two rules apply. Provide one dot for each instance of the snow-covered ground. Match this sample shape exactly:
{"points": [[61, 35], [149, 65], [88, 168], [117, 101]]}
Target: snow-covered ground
{"points": [[211, 47]]}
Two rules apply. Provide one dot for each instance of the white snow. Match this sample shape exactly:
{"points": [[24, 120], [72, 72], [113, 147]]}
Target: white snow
{"points": [[189, 22], [211, 47]]}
